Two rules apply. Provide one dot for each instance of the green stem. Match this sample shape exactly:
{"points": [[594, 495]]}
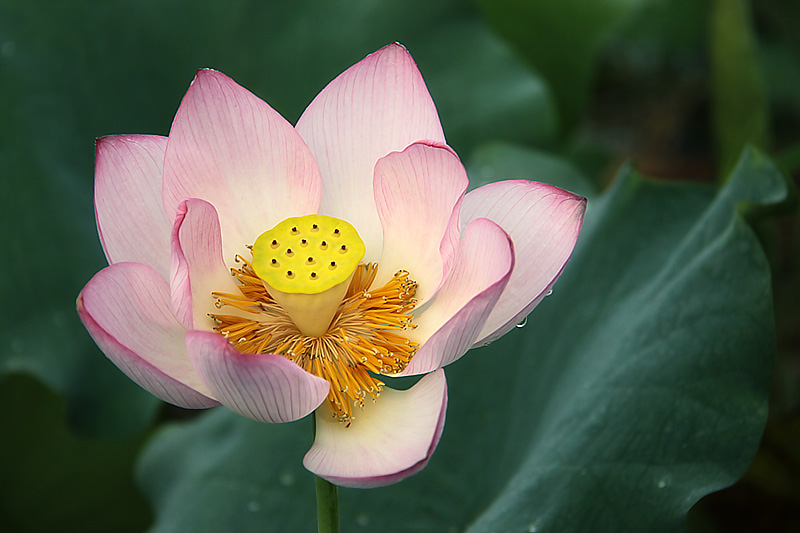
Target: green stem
{"points": [[327, 506], [740, 104], [327, 499]]}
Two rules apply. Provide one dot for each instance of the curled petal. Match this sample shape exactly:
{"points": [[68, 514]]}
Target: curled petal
{"points": [[126, 309], [544, 223], [231, 148], [127, 198], [387, 441], [418, 193], [197, 266], [377, 106], [264, 387], [449, 327]]}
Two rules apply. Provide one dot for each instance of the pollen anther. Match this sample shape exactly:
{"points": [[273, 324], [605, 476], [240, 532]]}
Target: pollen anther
{"points": [[364, 338]]}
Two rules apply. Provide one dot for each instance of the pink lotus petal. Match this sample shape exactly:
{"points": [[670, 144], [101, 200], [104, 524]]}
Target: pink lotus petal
{"points": [[418, 193], [127, 190], [229, 147], [126, 310], [197, 266], [544, 223], [449, 327], [264, 387], [378, 106], [388, 441]]}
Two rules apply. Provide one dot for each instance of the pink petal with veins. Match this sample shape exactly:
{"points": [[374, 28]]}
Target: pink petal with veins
{"points": [[232, 149], [387, 441], [450, 325], [544, 223], [126, 309], [418, 193], [264, 387], [127, 197], [197, 266], [377, 106]]}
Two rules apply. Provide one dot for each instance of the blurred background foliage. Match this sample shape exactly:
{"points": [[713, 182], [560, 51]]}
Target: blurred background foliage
{"points": [[558, 88]]}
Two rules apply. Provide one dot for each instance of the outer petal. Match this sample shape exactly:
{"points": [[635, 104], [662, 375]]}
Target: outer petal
{"points": [[229, 147], [126, 310], [449, 327], [377, 106], [266, 387], [197, 266], [544, 223], [418, 193], [388, 441], [127, 198]]}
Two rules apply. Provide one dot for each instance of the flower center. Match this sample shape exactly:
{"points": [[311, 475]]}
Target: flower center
{"points": [[307, 297], [306, 264]]}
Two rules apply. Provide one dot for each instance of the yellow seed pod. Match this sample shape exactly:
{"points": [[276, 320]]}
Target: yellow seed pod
{"points": [[308, 254]]}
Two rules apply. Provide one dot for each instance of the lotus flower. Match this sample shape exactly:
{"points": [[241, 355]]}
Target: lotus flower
{"points": [[281, 270]]}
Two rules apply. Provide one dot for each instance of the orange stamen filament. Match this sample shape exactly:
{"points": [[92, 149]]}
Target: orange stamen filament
{"points": [[361, 340]]}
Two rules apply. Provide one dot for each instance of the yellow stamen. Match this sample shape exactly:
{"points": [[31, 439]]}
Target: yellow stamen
{"points": [[362, 339]]}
